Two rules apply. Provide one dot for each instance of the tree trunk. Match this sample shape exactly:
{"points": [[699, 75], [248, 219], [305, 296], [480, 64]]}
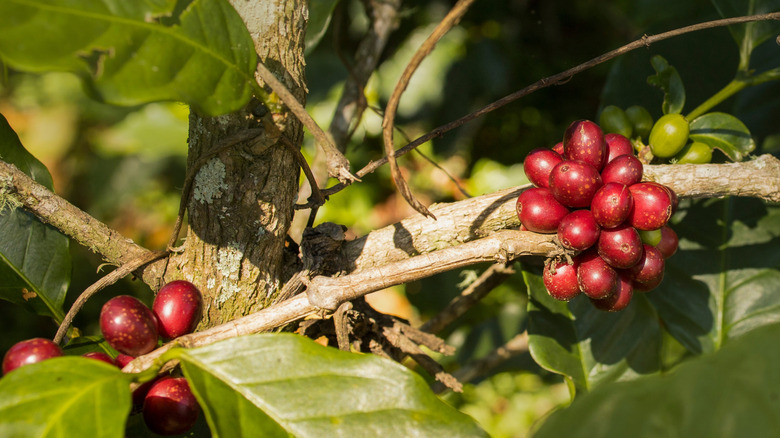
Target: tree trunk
{"points": [[241, 203]]}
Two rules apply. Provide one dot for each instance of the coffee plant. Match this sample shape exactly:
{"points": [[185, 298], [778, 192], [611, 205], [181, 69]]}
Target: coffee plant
{"points": [[625, 282]]}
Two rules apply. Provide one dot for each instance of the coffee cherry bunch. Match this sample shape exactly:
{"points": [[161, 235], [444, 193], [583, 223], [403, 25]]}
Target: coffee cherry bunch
{"points": [[131, 328], [589, 190]]}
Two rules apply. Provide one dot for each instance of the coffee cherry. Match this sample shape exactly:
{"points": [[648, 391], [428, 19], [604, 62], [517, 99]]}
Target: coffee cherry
{"points": [[614, 120], [596, 278], [641, 120], [99, 355], [170, 408], [123, 359], [538, 164], [611, 205], [29, 351], [650, 237], [694, 153], [558, 148], [648, 273], [578, 230], [669, 135], [573, 183], [538, 210], [668, 243], [560, 279], [617, 145], [620, 299], [128, 325], [625, 169], [670, 192], [620, 247], [178, 307], [584, 141], [652, 206]]}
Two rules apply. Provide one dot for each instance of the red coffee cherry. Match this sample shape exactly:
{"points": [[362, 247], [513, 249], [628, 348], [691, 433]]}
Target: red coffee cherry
{"points": [[596, 278], [538, 210], [668, 244], [573, 183], [611, 205], [538, 164], [620, 247], [617, 145], [178, 307], [170, 408], [652, 206], [584, 141], [620, 299], [560, 279], [648, 273], [28, 352], [99, 355], [625, 169], [578, 230], [128, 325], [558, 148]]}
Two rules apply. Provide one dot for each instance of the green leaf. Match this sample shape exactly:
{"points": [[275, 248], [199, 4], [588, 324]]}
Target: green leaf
{"points": [[723, 282], [279, 384], [728, 394], [64, 397], [88, 344], [136, 52], [320, 13], [668, 80], [749, 35], [588, 346], [725, 132], [35, 265]]}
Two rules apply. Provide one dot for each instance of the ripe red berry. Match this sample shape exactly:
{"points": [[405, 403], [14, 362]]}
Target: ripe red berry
{"points": [[170, 408], [621, 247], [625, 169], [573, 183], [620, 299], [538, 164], [652, 206], [128, 325], [584, 141], [178, 307], [617, 145], [538, 210], [578, 230], [611, 205], [123, 359], [28, 352], [596, 278], [668, 244], [648, 273], [558, 148], [560, 279], [99, 355]]}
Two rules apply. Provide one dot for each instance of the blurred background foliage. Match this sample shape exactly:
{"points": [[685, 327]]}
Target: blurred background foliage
{"points": [[125, 166]]}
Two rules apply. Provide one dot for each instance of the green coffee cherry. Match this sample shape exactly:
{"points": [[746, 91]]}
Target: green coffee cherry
{"points": [[651, 237], [694, 153], [614, 120], [641, 120], [669, 135]]}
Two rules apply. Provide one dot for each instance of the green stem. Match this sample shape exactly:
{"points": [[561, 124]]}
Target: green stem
{"points": [[726, 92]]}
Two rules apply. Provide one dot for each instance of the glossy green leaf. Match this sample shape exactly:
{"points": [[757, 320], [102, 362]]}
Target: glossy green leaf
{"points": [[588, 346], [320, 13], [725, 279], [725, 132], [35, 263], [749, 35], [733, 393], [136, 52], [279, 384], [64, 397], [669, 81]]}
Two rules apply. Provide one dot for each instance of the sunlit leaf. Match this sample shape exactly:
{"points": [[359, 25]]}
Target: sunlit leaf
{"points": [[669, 81], [274, 385], [198, 52], [725, 132]]}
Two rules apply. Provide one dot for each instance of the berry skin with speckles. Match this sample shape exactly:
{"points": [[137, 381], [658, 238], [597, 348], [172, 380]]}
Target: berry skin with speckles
{"points": [[178, 307], [596, 278], [584, 141], [620, 299], [652, 206], [170, 408], [625, 169], [539, 212], [573, 183], [620, 247], [578, 230], [617, 145], [538, 164], [611, 205], [128, 325], [28, 352], [558, 148], [649, 272], [560, 279]]}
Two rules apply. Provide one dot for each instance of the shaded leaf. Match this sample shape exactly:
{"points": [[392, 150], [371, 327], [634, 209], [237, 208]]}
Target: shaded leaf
{"points": [[588, 346], [731, 393], [320, 13], [35, 264], [723, 282], [725, 132], [278, 384], [668, 80], [749, 35], [136, 52], [88, 344], [64, 396]]}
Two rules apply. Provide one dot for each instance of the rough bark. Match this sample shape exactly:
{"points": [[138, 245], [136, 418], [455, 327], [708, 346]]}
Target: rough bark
{"points": [[241, 203]]}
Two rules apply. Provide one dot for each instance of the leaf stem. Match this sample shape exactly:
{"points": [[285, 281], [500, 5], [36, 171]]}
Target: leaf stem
{"points": [[733, 87]]}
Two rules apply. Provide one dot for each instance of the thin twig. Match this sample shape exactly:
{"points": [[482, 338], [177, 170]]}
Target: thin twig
{"points": [[105, 281], [556, 79], [388, 123]]}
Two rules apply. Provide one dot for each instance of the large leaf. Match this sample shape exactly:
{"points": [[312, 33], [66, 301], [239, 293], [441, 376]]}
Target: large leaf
{"points": [[279, 384], [668, 80], [725, 132], [137, 51], [749, 35], [320, 13], [64, 397], [588, 346], [732, 393], [35, 264], [725, 279]]}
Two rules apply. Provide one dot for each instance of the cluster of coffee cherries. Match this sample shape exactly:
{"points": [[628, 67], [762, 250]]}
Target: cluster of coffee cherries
{"points": [[133, 329], [589, 191]]}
